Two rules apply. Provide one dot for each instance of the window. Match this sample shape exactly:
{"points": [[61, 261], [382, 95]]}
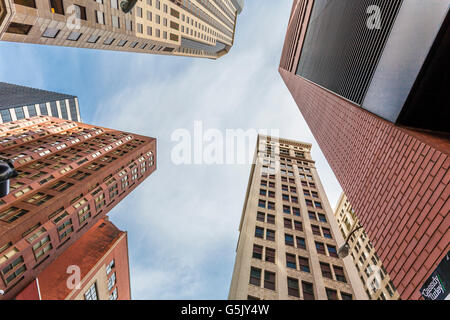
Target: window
{"points": [[262, 192], [19, 113], [327, 233], [50, 33], [301, 243], [260, 216], [291, 261], [269, 280], [270, 255], [322, 217], [255, 276], [271, 205], [259, 232], [110, 266], [293, 289], [270, 235], [93, 39], [303, 264], [308, 291], [312, 215], [326, 270], [315, 230], [309, 203], [113, 295], [112, 281], [270, 218], [91, 294], [39, 198], [289, 240], [339, 273], [56, 6], [80, 12], [318, 204], [332, 251], [257, 252], [347, 296], [261, 204], [288, 223], [99, 17], [320, 248], [298, 226], [114, 4], [331, 294], [252, 298], [296, 211]]}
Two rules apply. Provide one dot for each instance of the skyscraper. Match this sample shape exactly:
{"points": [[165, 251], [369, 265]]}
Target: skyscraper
{"points": [[185, 28], [373, 274], [101, 258], [374, 92], [287, 247], [19, 102], [70, 175]]}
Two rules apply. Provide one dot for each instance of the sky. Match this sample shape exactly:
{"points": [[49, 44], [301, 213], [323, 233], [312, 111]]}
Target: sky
{"points": [[182, 221]]}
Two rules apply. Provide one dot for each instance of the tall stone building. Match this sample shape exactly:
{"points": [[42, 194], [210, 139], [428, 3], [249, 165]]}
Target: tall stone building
{"points": [[373, 274], [195, 28], [288, 241], [19, 102], [371, 80], [70, 175]]}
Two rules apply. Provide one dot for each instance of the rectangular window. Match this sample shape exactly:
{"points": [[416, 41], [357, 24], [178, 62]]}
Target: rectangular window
{"points": [[50, 33], [316, 230], [303, 264], [288, 223], [289, 240], [270, 219], [291, 261], [56, 6], [301, 243], [270, 255], [308, 291], [293, 289], [257, 251], [298, 226], [322, 217], [332, 251], [326, 270], [296, 211], [331, 294], [255, 276], [339, 273], [269, 280], [91, 294], [260, 216], [270, 235], [259, 232], [326, 233], [320, 248]]}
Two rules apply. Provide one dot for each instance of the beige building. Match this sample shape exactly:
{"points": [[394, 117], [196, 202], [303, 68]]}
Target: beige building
{"points": [[195, 28], [373, 275], [287, 247]]}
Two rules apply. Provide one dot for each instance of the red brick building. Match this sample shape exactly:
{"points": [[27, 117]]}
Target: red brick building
{"points": [[376, 100], [70, 176], [101, 255]]}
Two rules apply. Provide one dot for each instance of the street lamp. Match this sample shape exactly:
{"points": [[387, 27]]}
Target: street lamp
{"points": [[127, 5], [344, 250], [7, 171]]}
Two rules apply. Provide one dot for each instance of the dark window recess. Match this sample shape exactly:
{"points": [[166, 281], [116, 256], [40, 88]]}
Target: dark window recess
{"points": [[56, 6], [269, 280], [339, 52], [26, 3], [19, 28]]}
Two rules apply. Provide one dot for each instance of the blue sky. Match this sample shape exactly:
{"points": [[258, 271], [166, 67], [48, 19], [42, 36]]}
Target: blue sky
{"points": [[182, 222]]}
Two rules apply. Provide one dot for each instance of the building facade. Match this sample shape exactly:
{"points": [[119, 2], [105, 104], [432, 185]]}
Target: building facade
{"points": [[374, 93], [288, 241], [19, 102], [195, 28], [373, 274], [71, 175], [101, 258]]}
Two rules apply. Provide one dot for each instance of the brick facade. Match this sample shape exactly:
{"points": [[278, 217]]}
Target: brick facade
{"points": [[397, 179]]}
